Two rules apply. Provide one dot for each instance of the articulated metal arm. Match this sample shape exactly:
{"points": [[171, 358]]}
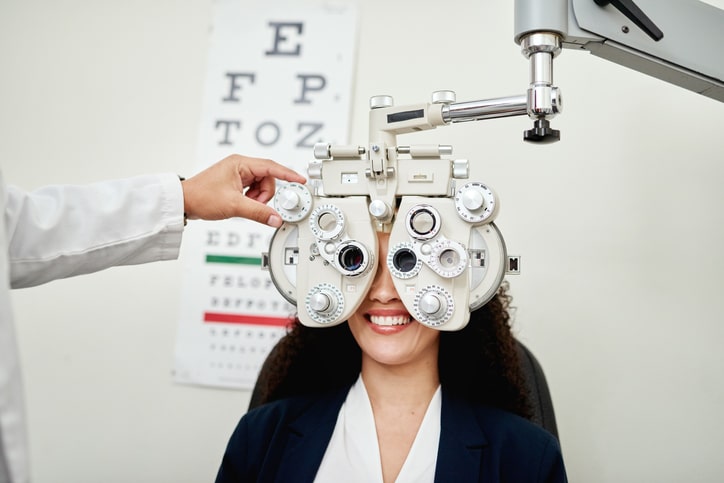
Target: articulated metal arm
{"points": [[678, 41]]}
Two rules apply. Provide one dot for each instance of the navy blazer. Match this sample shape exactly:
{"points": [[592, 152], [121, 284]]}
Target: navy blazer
{"points": [[285, 441]]}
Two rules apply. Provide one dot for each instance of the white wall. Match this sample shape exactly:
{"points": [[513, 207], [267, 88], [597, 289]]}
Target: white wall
{"points": [[619, 226]]}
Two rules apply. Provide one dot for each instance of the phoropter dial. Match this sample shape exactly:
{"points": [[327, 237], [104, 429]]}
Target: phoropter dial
{"points": [[476, 203], [423, 222], [433, 306], [326, 222], [402, 261], [293, 202], [448, 258], [324, 303]]}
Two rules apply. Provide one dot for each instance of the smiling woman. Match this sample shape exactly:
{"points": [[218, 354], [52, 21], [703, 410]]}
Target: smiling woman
{"points": [[384, 398]]}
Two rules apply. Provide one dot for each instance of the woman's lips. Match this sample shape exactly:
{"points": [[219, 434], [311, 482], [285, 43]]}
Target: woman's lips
{"points": [[388, 322]]}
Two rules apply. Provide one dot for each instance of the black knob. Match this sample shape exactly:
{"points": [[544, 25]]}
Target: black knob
{"points": [[542, 133]]}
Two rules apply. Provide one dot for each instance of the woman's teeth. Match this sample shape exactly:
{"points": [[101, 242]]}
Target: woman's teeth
{"points": [[390, 319]]}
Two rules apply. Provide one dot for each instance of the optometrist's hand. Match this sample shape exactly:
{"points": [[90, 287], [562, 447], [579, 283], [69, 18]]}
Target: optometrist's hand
{"points": [[236, 186]]}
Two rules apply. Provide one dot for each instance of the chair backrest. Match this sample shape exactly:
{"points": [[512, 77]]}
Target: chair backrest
{"points": [[540, 396], [543, 414]]}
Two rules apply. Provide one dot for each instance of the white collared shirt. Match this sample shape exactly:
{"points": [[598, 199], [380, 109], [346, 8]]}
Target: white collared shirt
{"points": [[353, 454]]}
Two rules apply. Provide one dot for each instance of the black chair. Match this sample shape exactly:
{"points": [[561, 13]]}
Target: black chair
{"points": [[540, 396]]}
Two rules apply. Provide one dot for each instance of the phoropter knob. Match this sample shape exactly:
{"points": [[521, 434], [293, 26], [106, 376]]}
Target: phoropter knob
{"points": [[476, 203], [321, 302], [293, 202], [432, 305], [324, 303]]}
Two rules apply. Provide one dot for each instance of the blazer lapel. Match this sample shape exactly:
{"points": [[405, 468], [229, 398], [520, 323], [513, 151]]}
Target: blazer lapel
{"points": [[308, 437], [460, 453]]}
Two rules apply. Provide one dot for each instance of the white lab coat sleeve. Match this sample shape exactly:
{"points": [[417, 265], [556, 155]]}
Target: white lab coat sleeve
{"points": [[62, 231]]}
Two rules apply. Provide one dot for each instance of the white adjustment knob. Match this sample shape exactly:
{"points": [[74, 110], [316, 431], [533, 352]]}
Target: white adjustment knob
{"points": [[476, 203], [293, 202], [289, 200], [443, 97], [321, 151], [324, 304], [425, 249], [432, 305], [377, 102], [473, 200], [460, 169], [314, 170], [321, 302], [379, 209]]}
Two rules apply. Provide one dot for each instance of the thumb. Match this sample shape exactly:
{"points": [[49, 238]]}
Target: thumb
{"points": [[259, 212]]}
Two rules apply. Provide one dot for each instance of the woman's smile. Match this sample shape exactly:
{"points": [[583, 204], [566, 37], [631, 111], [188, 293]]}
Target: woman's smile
{"points": [[388, 322]]}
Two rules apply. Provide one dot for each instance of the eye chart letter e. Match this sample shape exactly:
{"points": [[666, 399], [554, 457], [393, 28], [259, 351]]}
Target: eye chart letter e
{"points": [[278, 80]]}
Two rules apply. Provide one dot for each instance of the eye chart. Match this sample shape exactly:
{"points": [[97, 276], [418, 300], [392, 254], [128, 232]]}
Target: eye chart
{"points": [[279, 80]]}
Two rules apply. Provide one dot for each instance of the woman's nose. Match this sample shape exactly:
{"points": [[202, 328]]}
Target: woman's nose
{"points": [[383, 289]]}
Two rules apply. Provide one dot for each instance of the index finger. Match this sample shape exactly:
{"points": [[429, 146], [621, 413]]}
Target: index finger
{"points": [[267, 167]]}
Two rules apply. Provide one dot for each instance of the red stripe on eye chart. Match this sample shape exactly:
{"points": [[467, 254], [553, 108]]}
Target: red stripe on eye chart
{"points": [[246, 319]]}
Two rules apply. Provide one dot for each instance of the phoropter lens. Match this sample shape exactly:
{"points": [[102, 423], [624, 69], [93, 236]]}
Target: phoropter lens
{"points": [[449, 259], [423, 222], [327, 221], [351, 258], [404, 260]]}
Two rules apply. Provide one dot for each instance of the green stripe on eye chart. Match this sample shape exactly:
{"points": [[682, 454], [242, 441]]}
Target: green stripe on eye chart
{"points": [[233, 260]]}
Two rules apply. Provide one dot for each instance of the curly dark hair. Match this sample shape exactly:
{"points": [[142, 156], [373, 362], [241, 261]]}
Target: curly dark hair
{"points": [[479, 362]]}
